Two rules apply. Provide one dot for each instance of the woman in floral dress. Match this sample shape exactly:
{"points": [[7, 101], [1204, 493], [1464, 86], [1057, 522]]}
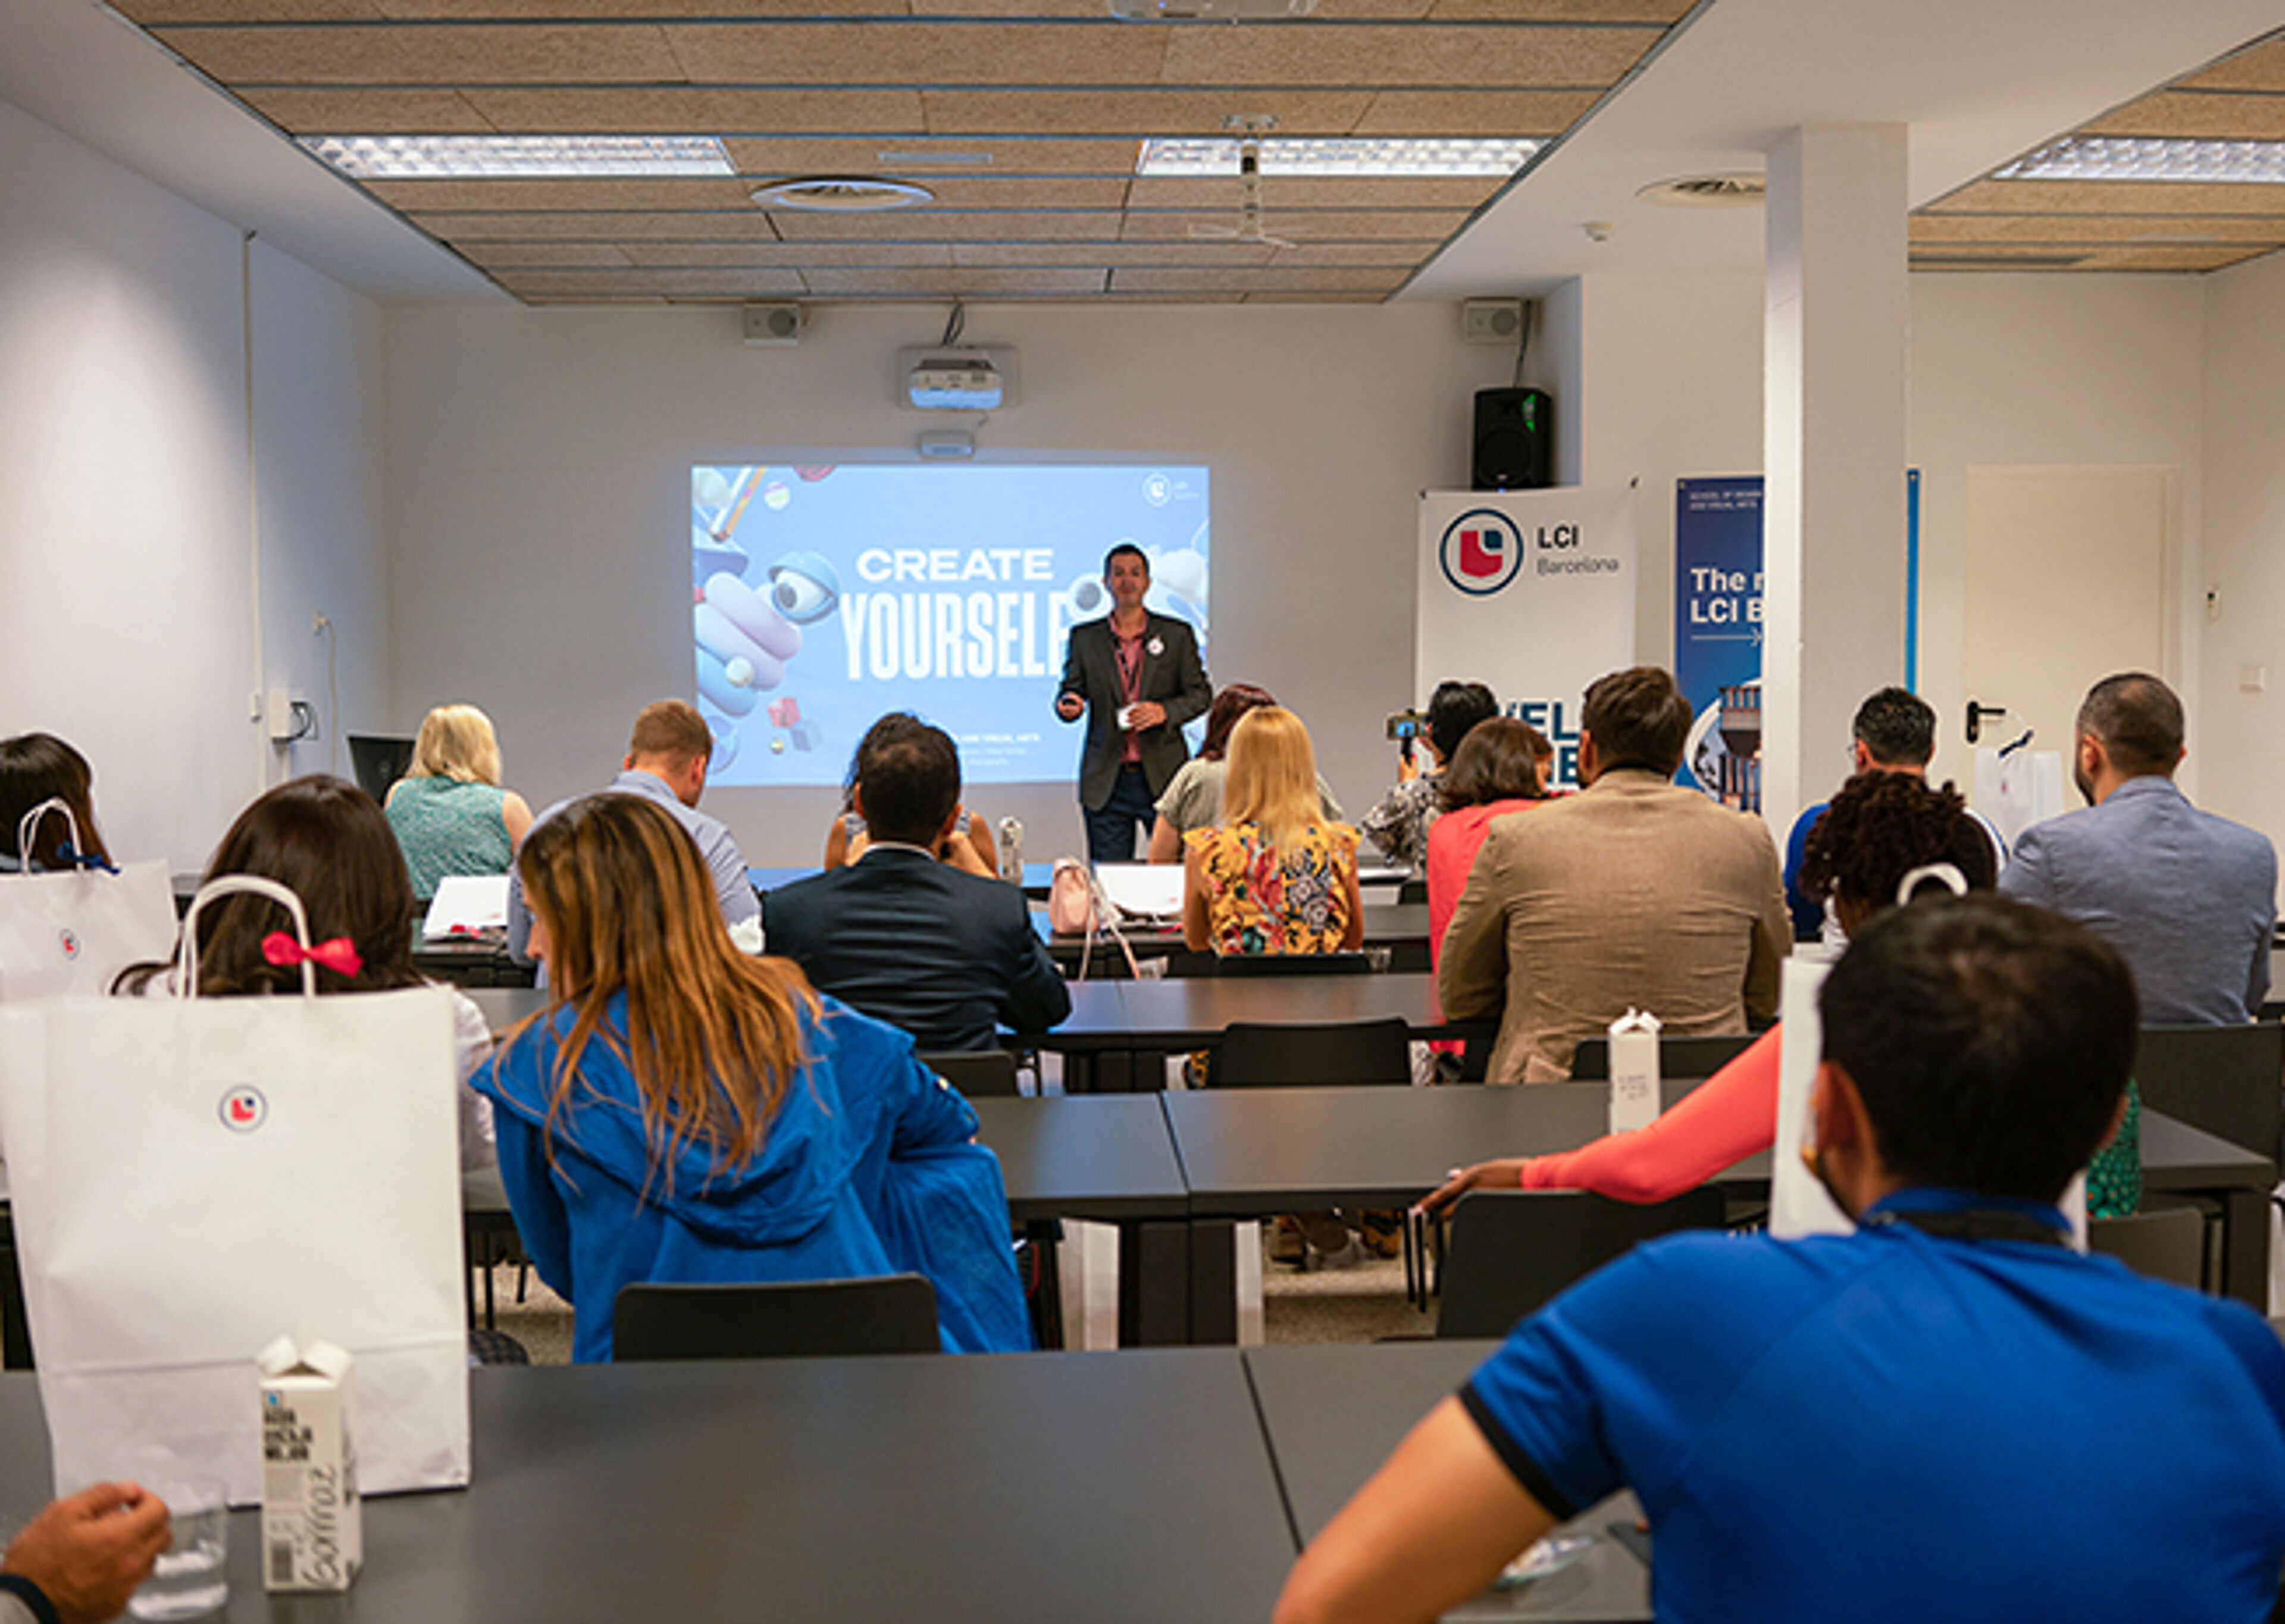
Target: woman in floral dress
{"points": [[1275, 877]]}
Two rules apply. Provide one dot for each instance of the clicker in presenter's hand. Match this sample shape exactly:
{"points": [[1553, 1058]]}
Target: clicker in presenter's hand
{"points": [[1070, 706]]}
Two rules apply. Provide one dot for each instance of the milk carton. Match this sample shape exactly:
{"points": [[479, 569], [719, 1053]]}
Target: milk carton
{"points": [[1634, 1072], [312, 1527]]}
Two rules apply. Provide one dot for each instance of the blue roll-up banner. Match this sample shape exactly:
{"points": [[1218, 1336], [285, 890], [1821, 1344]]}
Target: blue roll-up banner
{"points": [[1717, 632]]}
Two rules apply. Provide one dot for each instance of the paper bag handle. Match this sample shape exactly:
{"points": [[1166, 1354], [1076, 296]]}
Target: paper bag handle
{"points": [[231, 884], [29, 823]]}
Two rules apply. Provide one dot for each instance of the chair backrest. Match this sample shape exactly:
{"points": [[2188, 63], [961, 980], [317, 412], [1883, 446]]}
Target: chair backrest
{"points": [[1591, 1062], [1254, 1055], [2167, 1244], [978, 1073], [1293, 964], [2225, 1080], [890, 1313], [1510, 1251], [1414, 891]]}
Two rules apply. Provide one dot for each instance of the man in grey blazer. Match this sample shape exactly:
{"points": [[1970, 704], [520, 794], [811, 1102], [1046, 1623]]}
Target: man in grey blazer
{"points": [[1136, 678], [2188, 899]]}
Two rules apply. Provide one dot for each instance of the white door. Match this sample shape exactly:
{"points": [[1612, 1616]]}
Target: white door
{"points": [[2066, 575]]}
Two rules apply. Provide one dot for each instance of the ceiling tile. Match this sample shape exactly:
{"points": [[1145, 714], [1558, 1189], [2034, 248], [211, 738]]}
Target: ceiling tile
{"points": [[1308, 192], [937, 225], [1295, 280], [548, 255], [721, 283], [2175, 229], [1408, 255], [686, 110], [867, 155], [880, 51], [1318, 225], [1139, 112], [1662, 13], [632, 225], [1474, 113], [797, 256], [2087, 197], [952, 284], [1106, 254], [1387, 54], [570, 194], [2208, 117], [368, 112], [150, 14], [2257, 67], [420, 54]]}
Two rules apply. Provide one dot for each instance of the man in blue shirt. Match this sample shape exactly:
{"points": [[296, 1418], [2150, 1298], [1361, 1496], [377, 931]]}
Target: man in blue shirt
{"points": [[2188, 898], [1946, 1415]]}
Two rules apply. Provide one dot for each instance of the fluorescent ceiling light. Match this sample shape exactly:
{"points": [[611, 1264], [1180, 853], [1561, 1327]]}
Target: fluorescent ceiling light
{"points": [[1182, 155], [518, 157], [2137, 158]]}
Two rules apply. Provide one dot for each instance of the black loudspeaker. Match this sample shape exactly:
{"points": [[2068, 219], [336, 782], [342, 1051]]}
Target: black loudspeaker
{"points": [[1515, 440]]}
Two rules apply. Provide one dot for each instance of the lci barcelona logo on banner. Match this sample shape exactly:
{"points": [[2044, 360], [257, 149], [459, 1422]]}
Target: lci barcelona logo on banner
{"points": [[1481, 551]]}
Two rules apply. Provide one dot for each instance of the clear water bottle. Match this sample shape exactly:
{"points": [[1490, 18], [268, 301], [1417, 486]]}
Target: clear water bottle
{"points": [[1012, 850]]}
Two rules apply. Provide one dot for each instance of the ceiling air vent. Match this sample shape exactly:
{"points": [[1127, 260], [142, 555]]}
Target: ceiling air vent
{"points": [[843, 194], [1738, 189]]}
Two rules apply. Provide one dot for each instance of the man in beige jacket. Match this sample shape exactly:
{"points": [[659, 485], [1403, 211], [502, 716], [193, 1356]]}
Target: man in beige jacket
{"points": [[1634, 894]]}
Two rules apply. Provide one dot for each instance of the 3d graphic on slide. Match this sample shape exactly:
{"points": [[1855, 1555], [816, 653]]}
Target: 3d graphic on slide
{"points": [[825, 595]]}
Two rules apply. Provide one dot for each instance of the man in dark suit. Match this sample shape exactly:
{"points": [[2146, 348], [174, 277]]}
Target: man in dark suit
{"points": [[949, 956], [1137, 678]]}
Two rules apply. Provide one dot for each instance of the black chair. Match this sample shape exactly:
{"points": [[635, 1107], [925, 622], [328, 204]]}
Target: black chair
{"points": [[1510, 1251], [803, 1319], [2168, 1244], [1412, 891], [978, 1073], [1253, 1055], [1677, 1057], [2225, 1079], [1293, 964]]}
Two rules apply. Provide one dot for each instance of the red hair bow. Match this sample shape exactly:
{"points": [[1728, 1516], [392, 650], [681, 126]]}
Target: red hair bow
{"points": [[339, 954]]}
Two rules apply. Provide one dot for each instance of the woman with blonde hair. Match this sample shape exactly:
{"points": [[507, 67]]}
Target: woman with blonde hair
{"points": [[1277, 876], [684, 1112], [448, 811]]}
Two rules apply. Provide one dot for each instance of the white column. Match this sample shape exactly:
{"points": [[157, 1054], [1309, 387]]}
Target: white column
{"points": [[1834, 339]]}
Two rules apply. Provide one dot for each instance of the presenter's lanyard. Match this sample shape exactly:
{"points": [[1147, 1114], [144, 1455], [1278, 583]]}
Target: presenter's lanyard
{"points": [[1977, 1224], [1130, 667]]}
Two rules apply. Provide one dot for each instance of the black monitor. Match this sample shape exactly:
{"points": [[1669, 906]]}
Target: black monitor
{"points": [[380, 762]]}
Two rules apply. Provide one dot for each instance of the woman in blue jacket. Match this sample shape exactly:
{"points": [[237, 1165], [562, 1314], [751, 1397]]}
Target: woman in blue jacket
{"points": [[683, 1112]]}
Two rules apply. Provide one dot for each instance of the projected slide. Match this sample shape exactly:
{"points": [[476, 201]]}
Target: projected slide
{"points": [[826, 595]]}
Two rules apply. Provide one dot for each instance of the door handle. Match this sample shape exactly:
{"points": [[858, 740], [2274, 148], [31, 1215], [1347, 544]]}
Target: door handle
{"points": [[1976, 715]]}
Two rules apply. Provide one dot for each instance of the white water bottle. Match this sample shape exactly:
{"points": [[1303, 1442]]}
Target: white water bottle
{"points": [[1012, 850]]}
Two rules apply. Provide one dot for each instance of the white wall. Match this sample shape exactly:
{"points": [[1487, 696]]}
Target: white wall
{"points": [[537, 484], [126, 586]]}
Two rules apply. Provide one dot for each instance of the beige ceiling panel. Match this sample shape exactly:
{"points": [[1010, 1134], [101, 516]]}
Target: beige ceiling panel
{"points": [[413, 54], [654, 284], [712, 11], [890, 53], [1017, 191], [1191, 281], [2216, 257], [1664, 12], [578, 299], [2257, 67], [1404, 255], [1474, 112], [369, 112], [2073, 197], [1305, 192], [1110, 253], [930, 225], [1364, 54], [549, 255], [572, 194], [153, 13], [797, 256], [1322, 225], [611, 226], [1137, 113], [952, 284], [2175, 229], [1660, 11], [1293, 298], [2203, 117], [684, 110], [926, 156]]}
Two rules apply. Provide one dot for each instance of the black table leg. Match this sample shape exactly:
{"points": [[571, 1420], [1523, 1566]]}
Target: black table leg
{"points": [[1154, 1283], [2245, 1247], [1213, 1282]]}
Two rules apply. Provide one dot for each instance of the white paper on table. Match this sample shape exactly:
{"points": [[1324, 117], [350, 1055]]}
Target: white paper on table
{"points": [[1150, 891], [466, 903]]}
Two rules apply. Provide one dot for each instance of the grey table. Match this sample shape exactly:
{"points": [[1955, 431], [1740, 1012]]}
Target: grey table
{"points": [[1333, 1414], [1030, 1487]]}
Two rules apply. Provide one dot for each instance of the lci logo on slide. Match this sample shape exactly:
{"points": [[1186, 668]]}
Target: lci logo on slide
{"points": [[1481, 551], [243, 1109]]}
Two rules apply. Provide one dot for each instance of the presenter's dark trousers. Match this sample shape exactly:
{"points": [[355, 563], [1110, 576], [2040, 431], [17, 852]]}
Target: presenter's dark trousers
{"points": [[1111, 826]]}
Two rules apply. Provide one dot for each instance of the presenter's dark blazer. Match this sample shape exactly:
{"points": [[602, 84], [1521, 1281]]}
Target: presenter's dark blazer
{"points": [[1174, 678], [949, 957]]}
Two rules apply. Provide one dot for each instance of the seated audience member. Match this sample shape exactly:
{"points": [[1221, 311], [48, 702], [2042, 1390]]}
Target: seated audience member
{"points": [[35, 767], [1193, 796], [666, 763], [79, 1560], [1399, 824], [448, 810], [1497, 770], [969, 847], [1275, 876], [946, 954], [2188, 898], [1882, 829], [1894, 731], [1945, 1415], [327, 843], [683, 1112], [1631, 894]]}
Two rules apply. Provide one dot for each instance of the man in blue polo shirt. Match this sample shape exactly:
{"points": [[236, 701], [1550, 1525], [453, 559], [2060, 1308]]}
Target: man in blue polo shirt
{"points": [[1947, 1414]]}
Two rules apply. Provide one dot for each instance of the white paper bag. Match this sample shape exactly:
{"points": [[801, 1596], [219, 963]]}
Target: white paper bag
{"points": [[72, 931], [2018, 789], [192, 1179]]}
